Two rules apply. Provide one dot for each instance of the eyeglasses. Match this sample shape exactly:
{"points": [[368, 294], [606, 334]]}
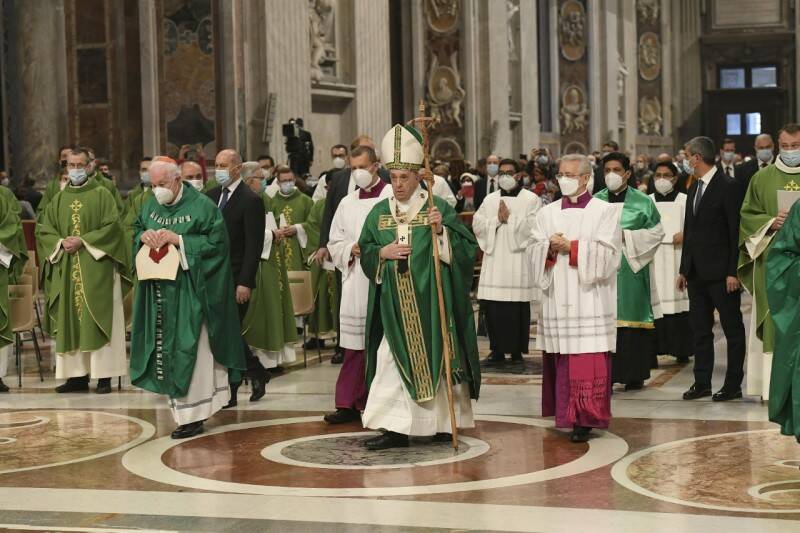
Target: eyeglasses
{"points": [[560, 176]]}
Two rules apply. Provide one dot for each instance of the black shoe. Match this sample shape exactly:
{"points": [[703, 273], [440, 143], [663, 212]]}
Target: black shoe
{"points": [[188, 430], [496, 358], [259, 384], [390, 439], [580, 434], [338, 357], [725, 395], [442, 437], [342, 416], [634, 385], [103, 386], [233, 402], [313, 344], [3, 386], [80, 384], [682, 360], [697, 391], [516, 357]]}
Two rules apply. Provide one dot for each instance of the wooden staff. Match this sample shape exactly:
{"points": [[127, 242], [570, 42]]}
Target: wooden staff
{"points": [[447, 352]]}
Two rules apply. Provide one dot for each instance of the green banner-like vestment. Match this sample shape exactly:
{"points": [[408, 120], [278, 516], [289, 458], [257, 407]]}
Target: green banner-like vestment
{"points": [[163, 355], [325, 317], [404, 308], [78, 288], [13, 239]]}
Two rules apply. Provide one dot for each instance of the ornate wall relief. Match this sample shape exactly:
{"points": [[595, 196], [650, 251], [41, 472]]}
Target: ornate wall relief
{"points": [[573, 74], [322, 36], [444, 92], [650, 65]]}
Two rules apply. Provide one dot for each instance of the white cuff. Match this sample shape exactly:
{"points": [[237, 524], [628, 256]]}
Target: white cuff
{"points": [[445, 254], [756, 244], [267, 250], [96, 253], [5, 256], [184, 261], [302, 237], [55, 257]]}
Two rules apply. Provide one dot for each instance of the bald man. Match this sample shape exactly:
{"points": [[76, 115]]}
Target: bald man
{"points": [[764, 148], [243, 211], [192, 173]]}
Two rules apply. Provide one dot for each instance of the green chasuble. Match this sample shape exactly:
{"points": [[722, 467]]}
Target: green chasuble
{"points": [[755, 238], [269, 323], [11, 198], [634, 305], [403, 307], [112, 188], [783, 293], [53, 188], [135, 207], [325, 317], [294, 209], [135, 193], [79, 288], [12, 238], [210, 184], [168, 315]]}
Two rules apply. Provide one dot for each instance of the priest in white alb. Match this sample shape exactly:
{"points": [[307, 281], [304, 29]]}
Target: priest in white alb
{"points": [[351, 391], [503, 226], [575, 252]]}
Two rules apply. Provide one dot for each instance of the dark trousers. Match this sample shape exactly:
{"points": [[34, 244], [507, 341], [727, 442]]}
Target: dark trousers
{"points": [[704, 297], [254, 366]]}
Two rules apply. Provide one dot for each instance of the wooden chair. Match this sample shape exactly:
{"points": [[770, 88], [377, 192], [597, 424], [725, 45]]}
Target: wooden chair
{"points": [[20, 308], [303, 303]]}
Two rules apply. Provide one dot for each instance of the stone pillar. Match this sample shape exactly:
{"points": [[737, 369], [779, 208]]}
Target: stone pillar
{"points": [[288, 65], [148, 52], [495, 74], [668, 96], [688, 94], [529, 77], [471, 49], [36, 87], [373, 98], [609, 102], [797, 56], [596, 85], [631, 87]]}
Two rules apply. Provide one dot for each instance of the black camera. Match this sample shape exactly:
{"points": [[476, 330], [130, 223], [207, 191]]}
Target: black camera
{"points": [[299, 146], [291, 130]]}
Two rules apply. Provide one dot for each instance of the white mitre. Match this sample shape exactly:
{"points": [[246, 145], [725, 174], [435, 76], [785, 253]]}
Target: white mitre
{"points": [[401, 148]]}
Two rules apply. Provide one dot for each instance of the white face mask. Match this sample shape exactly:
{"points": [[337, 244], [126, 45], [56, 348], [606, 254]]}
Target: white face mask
{"points": [[728, 156], [507, 182], [614, 181], [287, 187], [663, 186], [163, 195], [492, 169], [197, 184], [569, 186], [362, 178], [77, 175], [338, 162]]}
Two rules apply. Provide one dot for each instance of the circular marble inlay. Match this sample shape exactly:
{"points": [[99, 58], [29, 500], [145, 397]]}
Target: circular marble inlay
{"points": [[346, 451], [749, 471], [42, 439], [513, 451]]}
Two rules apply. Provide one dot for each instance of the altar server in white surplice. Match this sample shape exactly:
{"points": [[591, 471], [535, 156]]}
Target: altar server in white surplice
{"points": [[351, 391], [574, 253], [503, 226], [673, 330]]}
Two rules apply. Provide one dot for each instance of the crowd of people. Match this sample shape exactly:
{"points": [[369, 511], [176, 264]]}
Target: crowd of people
{"points": [[624, 259]]}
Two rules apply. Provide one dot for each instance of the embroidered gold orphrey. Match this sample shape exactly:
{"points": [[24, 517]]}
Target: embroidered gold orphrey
{"points": [[77, 279]]}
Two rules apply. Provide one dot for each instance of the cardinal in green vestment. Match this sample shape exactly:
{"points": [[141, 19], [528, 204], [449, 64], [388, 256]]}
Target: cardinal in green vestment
{"points": [[642, 234], [762, 220], [404, 346], [185, 333], [13, 255], [86, 268]]}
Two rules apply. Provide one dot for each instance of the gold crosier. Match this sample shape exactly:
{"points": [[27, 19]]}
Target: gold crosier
{"points": [[421, 122], [77, 280]]}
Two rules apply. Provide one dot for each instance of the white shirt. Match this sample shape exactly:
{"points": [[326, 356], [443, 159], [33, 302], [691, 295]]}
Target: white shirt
{"points": [[231, 188]]}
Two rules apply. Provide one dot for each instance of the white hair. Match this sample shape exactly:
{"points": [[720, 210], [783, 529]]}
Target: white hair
{"points": [[250, 169], [584, 166], [171, 169]]}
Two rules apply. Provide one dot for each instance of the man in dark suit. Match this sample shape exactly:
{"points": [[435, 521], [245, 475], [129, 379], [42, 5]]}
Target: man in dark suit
{"points": [[727, 158], [765, 156], [243, 212], [708, 268]]}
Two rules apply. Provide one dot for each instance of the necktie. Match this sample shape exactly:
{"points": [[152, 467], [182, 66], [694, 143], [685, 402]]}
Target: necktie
{"points": [[729, 171], [224, 201], [698, 196], [491, 185]]}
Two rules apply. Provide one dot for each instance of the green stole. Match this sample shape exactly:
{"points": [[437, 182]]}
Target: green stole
{"points": [[163, 353], [634, 305], [403, 306], [79, 289], [759, 207]]}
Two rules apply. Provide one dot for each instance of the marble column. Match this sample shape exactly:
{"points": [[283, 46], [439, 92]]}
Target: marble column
{"points": [[666, 72], [529, 76], [470, 50], [373, 99], [148, 53], [609, 57], [630, 57], [596, 87], [35, 87], [288, 66], [688, 93], [495, 78]]}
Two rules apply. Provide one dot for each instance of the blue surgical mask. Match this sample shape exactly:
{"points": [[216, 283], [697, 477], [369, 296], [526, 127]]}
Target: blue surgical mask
{"points": [[764, 155], [264, 184], [492, 169], [687, 166], [145, 177], [287, 187], [77, 175], [223, 176], [791, 157]]}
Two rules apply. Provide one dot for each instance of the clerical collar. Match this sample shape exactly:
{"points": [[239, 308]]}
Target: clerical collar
{"points": [[617, 197], [372, 192], [669, 197], [783, 167], [513, 192], [581, 202], [178, 196]]}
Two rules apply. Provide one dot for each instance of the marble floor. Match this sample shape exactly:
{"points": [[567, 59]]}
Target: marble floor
{"points": [[88, 462]]}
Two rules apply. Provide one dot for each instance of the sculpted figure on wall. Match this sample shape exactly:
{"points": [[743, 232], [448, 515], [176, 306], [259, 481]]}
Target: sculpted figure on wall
{"points": [[446, 93], [321, 29], [650, 117], [572, 30], [649, 56], [442, 15], [574, 110], [648, 11]]}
